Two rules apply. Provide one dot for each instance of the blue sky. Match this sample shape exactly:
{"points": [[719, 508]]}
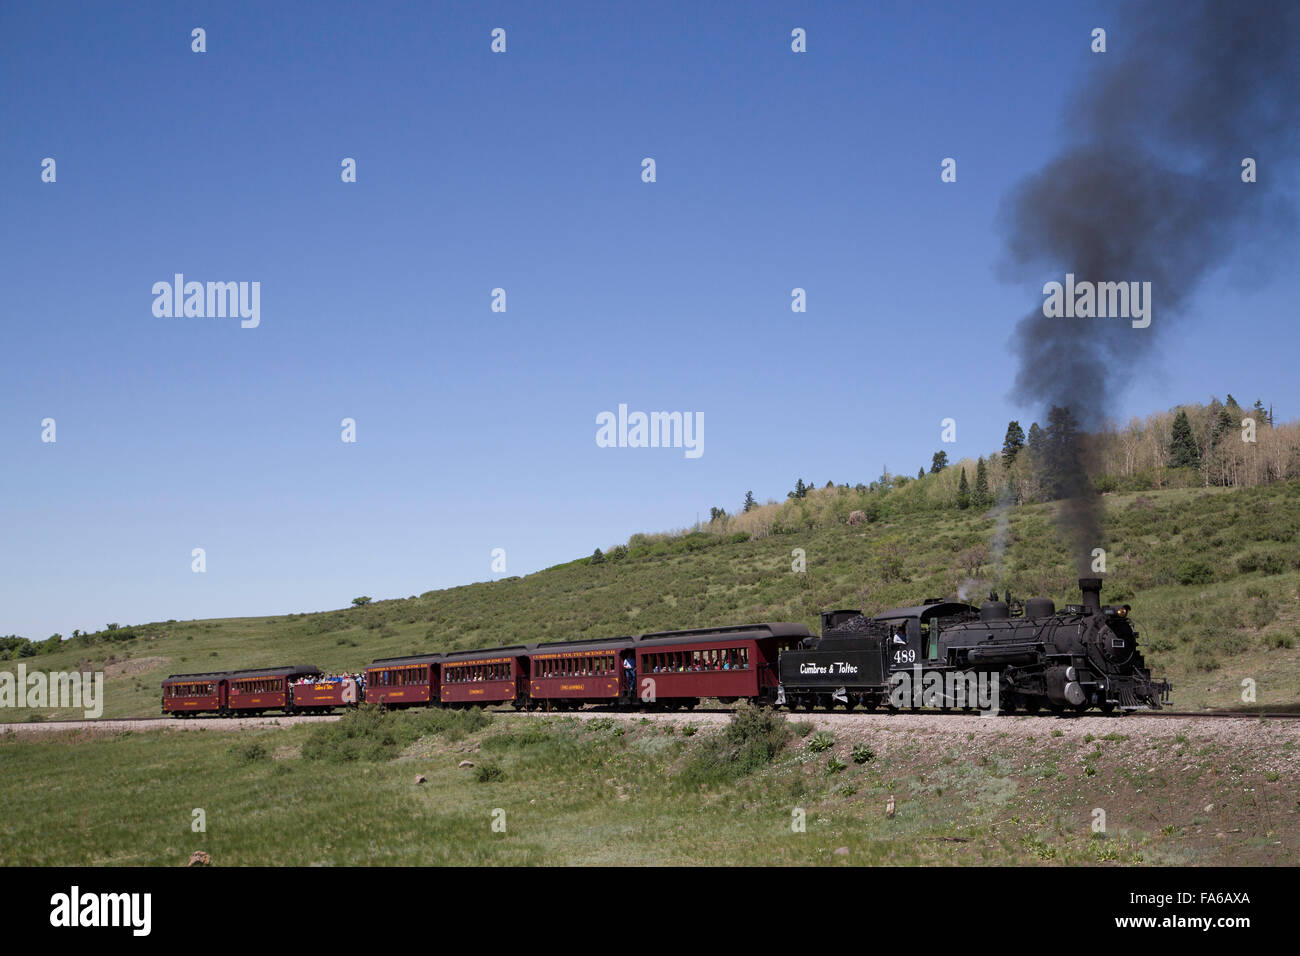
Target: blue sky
{"points": [[476, 430]]}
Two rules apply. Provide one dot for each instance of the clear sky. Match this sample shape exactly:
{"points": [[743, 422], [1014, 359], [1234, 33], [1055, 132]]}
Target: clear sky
{"points": [[522, 170]]}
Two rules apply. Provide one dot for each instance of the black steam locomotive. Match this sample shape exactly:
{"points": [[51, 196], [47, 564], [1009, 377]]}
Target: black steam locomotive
{"points": [[1000, 658]]}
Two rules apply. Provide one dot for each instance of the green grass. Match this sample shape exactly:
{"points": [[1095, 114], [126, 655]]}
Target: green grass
{"points": [[1235, 616], [628, 792]]}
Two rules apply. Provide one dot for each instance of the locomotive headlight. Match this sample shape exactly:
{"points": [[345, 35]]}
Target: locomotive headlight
{"points": [[1071, 673]]}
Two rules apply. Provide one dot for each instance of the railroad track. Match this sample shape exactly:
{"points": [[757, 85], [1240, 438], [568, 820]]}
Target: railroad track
{"points": [[1222, 714], [197, 719], [77, 720], [902, 715]]}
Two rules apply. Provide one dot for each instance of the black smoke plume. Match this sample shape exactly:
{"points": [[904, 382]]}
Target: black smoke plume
{"points": [[1148, 188]]}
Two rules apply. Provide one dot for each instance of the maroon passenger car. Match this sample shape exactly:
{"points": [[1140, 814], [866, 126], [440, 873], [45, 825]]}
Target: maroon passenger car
{"points": [[403, 681], [566, 675], [498, 676], [185, 694], [322, 696], [678, 668]]}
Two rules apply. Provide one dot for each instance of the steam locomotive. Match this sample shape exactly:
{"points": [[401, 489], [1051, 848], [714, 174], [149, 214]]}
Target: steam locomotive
{"points": [[1001, 657]]}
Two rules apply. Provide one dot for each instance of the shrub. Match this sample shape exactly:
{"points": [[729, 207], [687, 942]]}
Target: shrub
{"points": [[1262, 612], [368, 733], [530, 734], [250, 752], [454, 725], [863, 754], [1203, 658], [751, 740], [834, 765], [821, 742], [1265, 561], [1278, 642], [488, 773], [1194, 572]]}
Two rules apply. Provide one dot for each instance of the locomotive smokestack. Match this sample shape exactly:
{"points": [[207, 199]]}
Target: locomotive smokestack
{"points": [[1091, 588]]}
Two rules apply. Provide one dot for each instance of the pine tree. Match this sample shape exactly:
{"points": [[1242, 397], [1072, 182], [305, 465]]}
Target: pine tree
{"points": [[1214, 418], [920, 472], [963, 492], [1061, 465], [981, 485], [1012, 444], [597, 557], [1229, 420], [1036, 439], [939, 462], [1183, 452], [750, 503]]}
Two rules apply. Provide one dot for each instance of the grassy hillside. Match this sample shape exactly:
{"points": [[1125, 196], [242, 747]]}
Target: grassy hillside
{"points": [[1213, 576]]}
